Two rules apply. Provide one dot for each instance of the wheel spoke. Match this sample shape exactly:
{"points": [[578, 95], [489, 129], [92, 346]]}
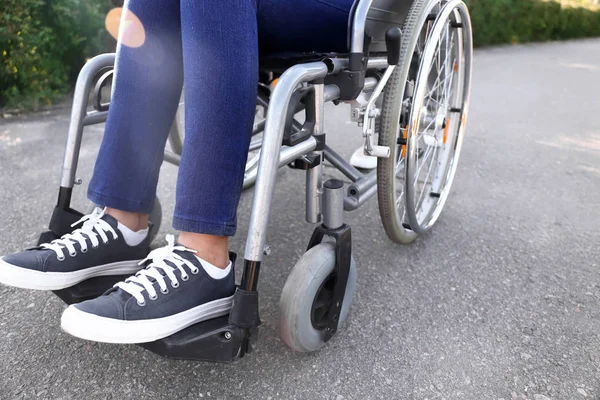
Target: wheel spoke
{"points": [[433, 162]]}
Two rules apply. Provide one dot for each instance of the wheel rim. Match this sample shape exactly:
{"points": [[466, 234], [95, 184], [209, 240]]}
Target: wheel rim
{"points": [[322, 303], [437, 114]]}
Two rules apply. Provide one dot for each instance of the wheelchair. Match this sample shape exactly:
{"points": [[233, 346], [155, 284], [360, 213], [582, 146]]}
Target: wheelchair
{"points": [[407, 78]]}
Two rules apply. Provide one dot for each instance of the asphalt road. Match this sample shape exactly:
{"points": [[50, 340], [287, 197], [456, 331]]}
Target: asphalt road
{"points": [[500, 301]]}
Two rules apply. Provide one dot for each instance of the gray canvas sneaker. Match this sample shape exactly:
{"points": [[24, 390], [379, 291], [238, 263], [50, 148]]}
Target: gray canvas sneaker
{"points": [[96, 248], [173, 292]]}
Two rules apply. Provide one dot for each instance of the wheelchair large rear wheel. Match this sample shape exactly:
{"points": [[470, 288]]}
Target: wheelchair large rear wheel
{"points": [[423, 117]]}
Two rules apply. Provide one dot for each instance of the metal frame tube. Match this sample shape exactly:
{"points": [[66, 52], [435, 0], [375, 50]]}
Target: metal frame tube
{"points": [[94, 117], [175, 137], [333, 204], [332, 92], [352, 202], [78, 114], [172, 158], [338, 64], [363, 184], [359, 24], [270, 153], [286, 156], [314, 176], [342, 165]]}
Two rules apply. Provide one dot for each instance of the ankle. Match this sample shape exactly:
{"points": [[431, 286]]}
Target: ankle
{"points": [[132, 220], [214, 249]]}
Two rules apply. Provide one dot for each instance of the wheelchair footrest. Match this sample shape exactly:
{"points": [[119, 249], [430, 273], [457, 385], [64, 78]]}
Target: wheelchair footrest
{"points": [[215, 340], [88, 289], [60, 224], [224, 339]]}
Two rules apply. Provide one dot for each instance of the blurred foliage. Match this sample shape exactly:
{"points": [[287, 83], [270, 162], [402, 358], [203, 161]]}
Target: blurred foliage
{"points": [[520, 21], [44, 43]]}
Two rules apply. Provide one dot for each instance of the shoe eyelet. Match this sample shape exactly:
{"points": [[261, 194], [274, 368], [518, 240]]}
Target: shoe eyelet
{"points": [[106, 243], [73, 254], [153, 297], [166, 291], [195, 271], [84, 250], [185, 278], [60, 258], [96, 246], [142, 304], [175, 285]]}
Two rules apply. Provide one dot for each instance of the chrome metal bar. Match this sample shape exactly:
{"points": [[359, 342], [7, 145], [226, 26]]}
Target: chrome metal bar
{"points": [[314, 176], [351, 203], [175, 137], [94, 117], [364, 184], [314, 181], [338, 64], [359, 24], [289, 154], [342, 165], [270, 156], [370, 84], [370, 148], [172, 158], [377, 63], [78, 113], [255, 144], [332, 92], [286, 156], [333, 204]]}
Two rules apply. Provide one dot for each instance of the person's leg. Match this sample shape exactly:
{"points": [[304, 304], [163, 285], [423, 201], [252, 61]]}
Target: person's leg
{"points": [[221, 70], [179, 288], [147, 87], [146, 91]]}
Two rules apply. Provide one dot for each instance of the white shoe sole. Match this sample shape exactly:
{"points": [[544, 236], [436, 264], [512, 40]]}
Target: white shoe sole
{"points": [[24, 278], [108, 330]]}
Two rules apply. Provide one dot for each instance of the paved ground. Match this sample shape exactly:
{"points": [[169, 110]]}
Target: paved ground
{"points": [[500, 301]]}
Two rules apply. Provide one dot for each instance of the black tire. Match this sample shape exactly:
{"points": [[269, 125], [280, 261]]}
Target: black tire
{"points": [[393, 219]]}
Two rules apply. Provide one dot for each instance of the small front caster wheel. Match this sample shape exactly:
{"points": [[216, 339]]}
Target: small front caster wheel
{"points": [[306, 299]]}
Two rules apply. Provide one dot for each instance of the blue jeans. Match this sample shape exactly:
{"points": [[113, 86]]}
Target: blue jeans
{"points": [[212, 47]]}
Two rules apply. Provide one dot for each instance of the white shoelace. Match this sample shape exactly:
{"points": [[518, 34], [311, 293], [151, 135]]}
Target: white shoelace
{"points": [[93, 226], [144, 279]]}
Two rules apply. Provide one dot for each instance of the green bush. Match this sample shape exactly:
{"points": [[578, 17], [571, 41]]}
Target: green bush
{"points": [[43, 43], [520, 21]]}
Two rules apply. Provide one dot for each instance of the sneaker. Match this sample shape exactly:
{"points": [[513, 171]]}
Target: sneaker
{"points": [[173, 292], [97, 248]]}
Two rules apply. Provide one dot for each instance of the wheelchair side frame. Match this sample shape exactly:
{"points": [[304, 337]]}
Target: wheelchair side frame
{"points": [[273, 154]]}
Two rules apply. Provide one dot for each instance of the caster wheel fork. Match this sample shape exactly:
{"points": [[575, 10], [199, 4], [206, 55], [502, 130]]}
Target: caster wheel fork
{"points": [[317, 296]]}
